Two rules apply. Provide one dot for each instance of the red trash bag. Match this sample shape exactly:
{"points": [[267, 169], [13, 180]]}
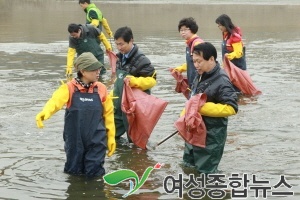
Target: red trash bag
{"points": [[143, 112], [182, 85], [240, 78], [112, 58], [191, 126]]}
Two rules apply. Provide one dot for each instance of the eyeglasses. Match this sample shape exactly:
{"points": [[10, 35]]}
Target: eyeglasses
{"points": [[184, 30]]}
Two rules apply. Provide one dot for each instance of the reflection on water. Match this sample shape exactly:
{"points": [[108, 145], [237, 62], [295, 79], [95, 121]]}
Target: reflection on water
{"points": [[262, 138]]}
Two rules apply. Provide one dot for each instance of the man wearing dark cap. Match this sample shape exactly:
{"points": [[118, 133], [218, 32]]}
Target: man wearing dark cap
{"points": [[89, 128]]}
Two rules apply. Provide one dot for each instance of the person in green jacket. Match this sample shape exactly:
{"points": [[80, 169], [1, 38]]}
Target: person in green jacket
{"points": [[94, 16], [85, 38]]}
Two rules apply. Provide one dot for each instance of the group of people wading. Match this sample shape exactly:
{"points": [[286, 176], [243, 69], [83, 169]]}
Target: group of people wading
{"points": [[94, 120]]}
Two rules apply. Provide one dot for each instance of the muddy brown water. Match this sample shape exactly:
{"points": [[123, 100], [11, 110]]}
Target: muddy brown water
{"points": [[263, 138]]}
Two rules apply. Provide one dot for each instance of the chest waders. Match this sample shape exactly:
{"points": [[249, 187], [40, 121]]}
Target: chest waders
{"points": [[239, 62], [121, 121], [85, 135], [89, 44], [206, 160], [191, 69]]}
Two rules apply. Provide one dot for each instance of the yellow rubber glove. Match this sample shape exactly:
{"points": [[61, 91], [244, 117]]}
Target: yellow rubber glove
{"points": [[40, 117], [59, 98], [70, 61], [69, 71], [211, 109], [105, 42], [142, 83], [182, 112], [107, 28], [95, 22], [181, 68], [108, 114], [237, 51]]}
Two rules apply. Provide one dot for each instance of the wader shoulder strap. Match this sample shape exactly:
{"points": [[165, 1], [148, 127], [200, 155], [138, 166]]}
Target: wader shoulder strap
{"points": [[72, 89], [95, 89]]}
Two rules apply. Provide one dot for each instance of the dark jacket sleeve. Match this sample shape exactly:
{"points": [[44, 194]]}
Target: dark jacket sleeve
{"points": [[143, 67], [226, 94]]}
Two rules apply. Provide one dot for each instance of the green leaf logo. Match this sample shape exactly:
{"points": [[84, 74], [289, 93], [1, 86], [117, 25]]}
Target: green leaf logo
{"points": [[121, 175]]}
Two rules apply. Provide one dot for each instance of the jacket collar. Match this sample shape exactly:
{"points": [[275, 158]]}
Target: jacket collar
{"points": [[207, 75]]}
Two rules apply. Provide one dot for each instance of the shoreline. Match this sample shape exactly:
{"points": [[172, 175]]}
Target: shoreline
{"points": [[179, 2]]}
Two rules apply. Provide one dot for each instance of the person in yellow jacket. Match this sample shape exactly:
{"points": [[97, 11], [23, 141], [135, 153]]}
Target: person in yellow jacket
{"points": [[188, 29], [85, 38], [232, 44], [89, 128], [94, 16]]}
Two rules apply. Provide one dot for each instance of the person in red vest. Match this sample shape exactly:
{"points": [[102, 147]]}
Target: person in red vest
{"points": [[89, 128], [232, 45], [188, 28]]}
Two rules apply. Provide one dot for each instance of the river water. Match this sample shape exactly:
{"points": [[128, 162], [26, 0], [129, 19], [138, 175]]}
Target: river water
{"points": [[263, 138]]}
